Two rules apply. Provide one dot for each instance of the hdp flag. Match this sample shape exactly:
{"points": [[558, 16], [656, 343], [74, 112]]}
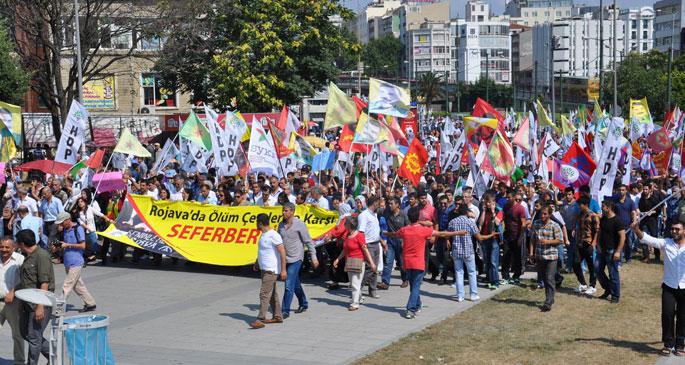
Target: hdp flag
{"points": [[340, 109], [194, 130], [413, 162], [578, 158], [566, 175], [388, 99], [130, 145]]}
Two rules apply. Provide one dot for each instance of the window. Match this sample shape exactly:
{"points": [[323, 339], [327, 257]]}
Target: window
{"points": [[633, 24], [568, 13], [525, 14], [481, 18], [116, 37], [472, 31], [645, 23], [150, 43], [644, 34], [156, 95], [644, 46], [482, 8], [558, 14], [633, 35], [535, 13]]}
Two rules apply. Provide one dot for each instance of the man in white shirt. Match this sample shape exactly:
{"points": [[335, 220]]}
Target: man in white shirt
{"points": [[316, 198], [10, 266], [673, 287], [29, 202], [271, 263], [369, 225]]}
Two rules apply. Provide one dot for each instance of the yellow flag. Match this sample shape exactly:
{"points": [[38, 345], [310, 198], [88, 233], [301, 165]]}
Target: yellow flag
{"points": [[10, 115], [567, 128], [130, 145], [543, 117], [340, 109], [471, 123], [370, 131], [246, 136], [8, 150], [639, 111]]}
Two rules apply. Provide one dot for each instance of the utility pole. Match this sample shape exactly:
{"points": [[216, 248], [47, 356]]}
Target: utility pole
{"points": [[79, 71], [552, 46], [601, 48], [535, 76], [487, 75], [615, 64], [561, 91], [447, 92]]}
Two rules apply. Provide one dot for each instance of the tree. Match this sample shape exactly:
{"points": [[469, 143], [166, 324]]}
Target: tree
{"points": [[264, 53], [430, 87], [382, 57], [43, 31], [13, 79], [499, 95]]}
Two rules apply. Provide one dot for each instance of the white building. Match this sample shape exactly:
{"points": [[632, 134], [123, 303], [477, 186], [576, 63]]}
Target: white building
{"points": [[477, 11], [536, 12], [365, 26], [577, 44], [639, 29], [430, 49], [668, 25], [483, 47]]}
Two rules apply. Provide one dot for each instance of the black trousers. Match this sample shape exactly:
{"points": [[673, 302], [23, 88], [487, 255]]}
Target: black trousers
{"points": [[672, 317], [584, 252], [512, 259], [547, 270]]}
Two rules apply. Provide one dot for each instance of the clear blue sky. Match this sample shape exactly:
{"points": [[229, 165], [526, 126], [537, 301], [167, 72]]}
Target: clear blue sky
{"points": [[457, 7]]}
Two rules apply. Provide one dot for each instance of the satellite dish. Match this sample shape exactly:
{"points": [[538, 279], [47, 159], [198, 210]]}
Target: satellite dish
{"points": [[37, 296]]}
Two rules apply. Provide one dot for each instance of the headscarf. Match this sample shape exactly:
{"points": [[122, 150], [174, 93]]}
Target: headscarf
{"points": [[344, 209], [362, 199]]}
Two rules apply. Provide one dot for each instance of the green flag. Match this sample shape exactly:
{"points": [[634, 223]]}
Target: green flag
{"points": [[194, 130]]}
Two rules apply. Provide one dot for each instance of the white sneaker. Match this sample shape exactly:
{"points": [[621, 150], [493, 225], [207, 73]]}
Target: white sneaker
{"points": [[460, 299], [581, 288], [454, 285], [474, 298], [590, 291]]}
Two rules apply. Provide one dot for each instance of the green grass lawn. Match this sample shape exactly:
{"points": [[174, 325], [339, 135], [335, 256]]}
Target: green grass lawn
{"points": [[510, 329]]}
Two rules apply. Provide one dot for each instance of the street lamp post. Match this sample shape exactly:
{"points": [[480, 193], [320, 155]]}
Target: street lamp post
{"points": [[79, 71]]}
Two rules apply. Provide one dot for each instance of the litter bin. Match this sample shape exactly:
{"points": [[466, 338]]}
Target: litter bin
{"points": [[86, 340]]}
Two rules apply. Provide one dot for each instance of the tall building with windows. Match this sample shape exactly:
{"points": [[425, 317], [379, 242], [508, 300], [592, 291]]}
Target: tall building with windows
{"points": [[535, 12], [639, 29], [430, 50], [669, 25]]}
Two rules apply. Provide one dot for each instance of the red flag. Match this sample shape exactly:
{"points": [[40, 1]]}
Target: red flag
{"points": [[482, 107], [282, 119], [361, 105], [95, 161], [659, 141], [410, 122], [278, 136], [500, 158], [413, 162], [437, 160], [637, 150], [661, 160]]}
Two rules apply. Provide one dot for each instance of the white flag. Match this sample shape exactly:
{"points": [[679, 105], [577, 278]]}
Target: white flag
{"points": [[222, 159], [550, 146], [262, 152], [73, 134], [603, 179], [168, 153]]}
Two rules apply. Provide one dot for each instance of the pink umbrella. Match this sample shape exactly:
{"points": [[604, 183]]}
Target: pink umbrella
{"points": [[46, 166]]}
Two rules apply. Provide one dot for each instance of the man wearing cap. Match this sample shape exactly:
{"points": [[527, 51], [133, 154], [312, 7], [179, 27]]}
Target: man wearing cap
{"points": [[73, 243], [207, 196], [29, 202]]}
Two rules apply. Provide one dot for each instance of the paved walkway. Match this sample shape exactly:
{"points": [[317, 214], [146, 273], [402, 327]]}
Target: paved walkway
{"points": [[200, 315]]}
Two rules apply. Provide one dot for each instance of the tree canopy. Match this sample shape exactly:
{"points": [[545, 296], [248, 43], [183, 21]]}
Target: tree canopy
{"points": [[263, 53], [382, 57], [13, 78]]}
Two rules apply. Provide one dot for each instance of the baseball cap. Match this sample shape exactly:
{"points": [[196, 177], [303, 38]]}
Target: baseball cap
{"points": [[62, 217]]}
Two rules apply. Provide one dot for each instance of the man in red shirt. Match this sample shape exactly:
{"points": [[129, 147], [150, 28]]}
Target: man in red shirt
{"points": [[514, 221], [414, 238]]}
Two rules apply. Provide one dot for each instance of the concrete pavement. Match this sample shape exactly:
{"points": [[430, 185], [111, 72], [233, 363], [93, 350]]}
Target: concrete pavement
{"points": [[179, 314]]}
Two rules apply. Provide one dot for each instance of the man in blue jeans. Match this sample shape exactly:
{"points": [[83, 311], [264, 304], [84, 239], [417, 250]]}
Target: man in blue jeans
{"points": [[295, 236], [462, 252], [611, 238], [395, 219]]}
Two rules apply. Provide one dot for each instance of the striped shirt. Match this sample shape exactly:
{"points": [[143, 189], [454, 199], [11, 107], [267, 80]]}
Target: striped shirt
{"points": [[462, 246]]}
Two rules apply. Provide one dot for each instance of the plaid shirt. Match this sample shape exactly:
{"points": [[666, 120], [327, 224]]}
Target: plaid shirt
{"points": [[462, 246], [549, 231]]}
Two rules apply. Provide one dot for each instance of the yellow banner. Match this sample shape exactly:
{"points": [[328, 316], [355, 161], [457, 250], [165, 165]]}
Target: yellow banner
{"points": [[639, 111], [210, 234], [99, 93]]}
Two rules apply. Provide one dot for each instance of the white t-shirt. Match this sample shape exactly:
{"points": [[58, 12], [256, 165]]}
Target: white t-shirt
{"points": [[31, 204], [369, 225], [267, 253]]}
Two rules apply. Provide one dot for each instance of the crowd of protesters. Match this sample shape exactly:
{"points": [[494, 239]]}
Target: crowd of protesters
{"points": [[442, 232]]}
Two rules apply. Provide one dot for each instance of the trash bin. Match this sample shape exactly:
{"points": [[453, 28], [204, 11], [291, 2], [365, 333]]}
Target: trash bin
{"points": [[86, 340]]}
